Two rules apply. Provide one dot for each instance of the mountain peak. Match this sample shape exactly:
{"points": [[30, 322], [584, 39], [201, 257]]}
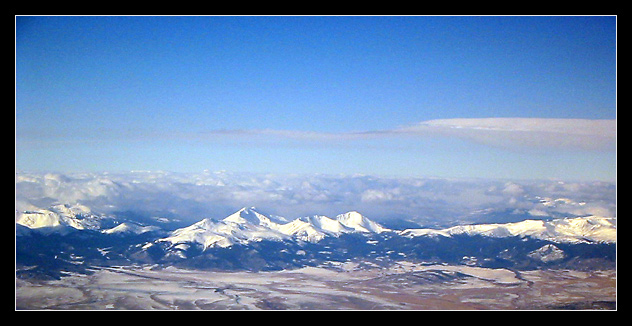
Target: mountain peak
{"points": [[247, 225], [359, 222], [351, 216], [62, 218], [248, 215]]}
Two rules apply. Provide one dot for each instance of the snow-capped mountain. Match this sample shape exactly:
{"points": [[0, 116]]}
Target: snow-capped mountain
{"points": [[244, 226], [131, 228], [60, 219], [547, 253], [248, 239], [64, 219], [360, 223], [250, 216], [248, 225], [587, 229]]}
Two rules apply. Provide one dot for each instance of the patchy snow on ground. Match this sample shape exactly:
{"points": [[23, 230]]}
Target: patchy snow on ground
{"points": [[405, 285]]}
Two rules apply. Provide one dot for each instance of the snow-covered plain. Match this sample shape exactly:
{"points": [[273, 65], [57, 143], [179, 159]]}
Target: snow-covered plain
{"points": [[347, 286]]}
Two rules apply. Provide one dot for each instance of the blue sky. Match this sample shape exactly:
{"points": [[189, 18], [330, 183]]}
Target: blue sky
{"points": [[301, 94]]}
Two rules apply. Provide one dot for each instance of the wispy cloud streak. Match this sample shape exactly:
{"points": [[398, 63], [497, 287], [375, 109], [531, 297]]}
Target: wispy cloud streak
{"points": [[517, 133], [524, 132], [508, 133]]}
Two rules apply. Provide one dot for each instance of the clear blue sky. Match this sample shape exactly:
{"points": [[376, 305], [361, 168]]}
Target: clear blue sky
{"points": [[128, 93]]}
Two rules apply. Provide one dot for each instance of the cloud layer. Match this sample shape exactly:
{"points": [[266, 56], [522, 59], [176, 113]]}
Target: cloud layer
{"points": [[429, 201]]}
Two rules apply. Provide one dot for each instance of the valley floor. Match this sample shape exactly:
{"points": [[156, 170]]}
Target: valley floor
{"points": [[403, 286]]}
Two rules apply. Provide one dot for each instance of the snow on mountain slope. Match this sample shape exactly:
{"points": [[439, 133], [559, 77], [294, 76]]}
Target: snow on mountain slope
{"points": [[328, 225], [358, 222], [223, 233], [302, 230], [547, 253], [125, 228], [248, 225], [59, 218], [249, 215], [203, 232], [63, 219], [567, 230]]}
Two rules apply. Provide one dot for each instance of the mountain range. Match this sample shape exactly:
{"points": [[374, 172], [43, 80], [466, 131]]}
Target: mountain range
{"points": [[247, 225], [53, 238]]}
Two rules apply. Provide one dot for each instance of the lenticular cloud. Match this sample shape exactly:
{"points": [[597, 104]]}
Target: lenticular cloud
{"points": [[523, 132]]}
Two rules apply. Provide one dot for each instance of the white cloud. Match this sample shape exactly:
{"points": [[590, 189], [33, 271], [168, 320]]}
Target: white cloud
{"points": [[523, 132], [374, 195], [513, 189], [193, 196]]}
